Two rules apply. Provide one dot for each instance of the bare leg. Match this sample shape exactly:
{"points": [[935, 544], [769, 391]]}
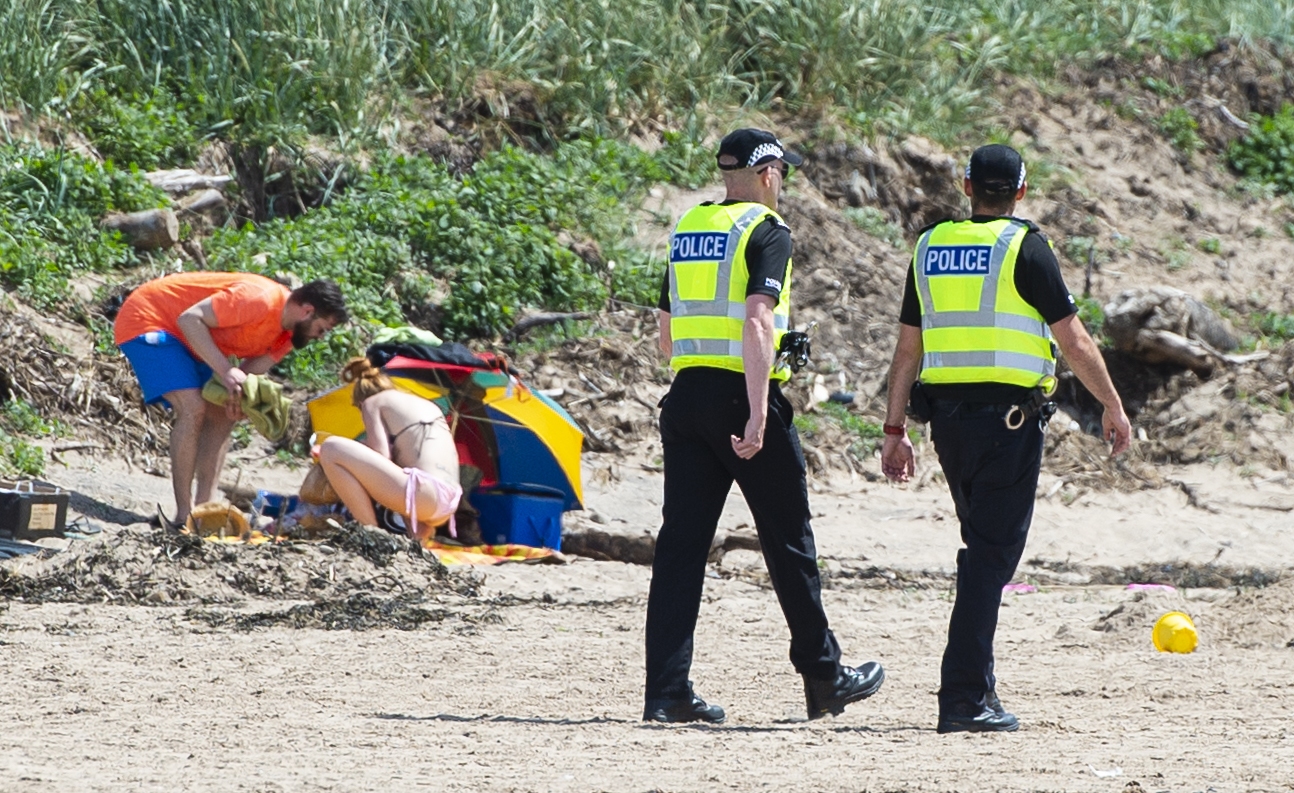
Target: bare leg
{"points": [[213, 443], [188, 405], [361, 476]]}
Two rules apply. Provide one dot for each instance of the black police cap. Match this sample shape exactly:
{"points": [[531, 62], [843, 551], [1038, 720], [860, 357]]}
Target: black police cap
{"points": [[996, 169], [748, 148]]}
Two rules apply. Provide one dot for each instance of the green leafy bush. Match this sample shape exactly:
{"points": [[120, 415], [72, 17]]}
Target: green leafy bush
{"points": [[18, 415], [1266, 153], [1181, 129], [149, 132], [51, 202], [1275, 325], [18, 456], [636, 278], [500, 239]]}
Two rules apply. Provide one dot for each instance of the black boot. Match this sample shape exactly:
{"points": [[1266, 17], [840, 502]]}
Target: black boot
{"points": [[992, 717], [683, 709], [851, 685]]}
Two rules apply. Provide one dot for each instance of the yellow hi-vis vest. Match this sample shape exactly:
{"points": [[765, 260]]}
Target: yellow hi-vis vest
{"points": [[707, 287], [975, 326]]}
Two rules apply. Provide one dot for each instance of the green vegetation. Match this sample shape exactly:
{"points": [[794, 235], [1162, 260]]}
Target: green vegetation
{"points": [[806, 423], [1045, 175], [1079, 249], [409, 224], [1162, 87], [256, 70], [876, 223], [1210, 245], [1266, 153], [864, 437], [50, 205], [19, 416], [20, 457], [1092, 315], [1274, 325], [546, 90], [1176, 253], [1181, 129], [148, 132]]}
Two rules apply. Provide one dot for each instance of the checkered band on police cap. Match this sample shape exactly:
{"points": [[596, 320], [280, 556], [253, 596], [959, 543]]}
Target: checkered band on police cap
{"points": [[748, 148], [769, 150]]}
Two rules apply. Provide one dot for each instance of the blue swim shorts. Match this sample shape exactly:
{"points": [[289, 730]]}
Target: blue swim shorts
{"points": [[163, 364]]}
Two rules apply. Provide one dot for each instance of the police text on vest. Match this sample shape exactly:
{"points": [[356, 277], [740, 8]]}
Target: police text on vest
{"points": [[699, 246], [958, 259]]}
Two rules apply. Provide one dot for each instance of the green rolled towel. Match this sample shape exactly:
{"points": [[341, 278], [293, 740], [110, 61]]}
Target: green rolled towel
{"points": [[263, 403]]}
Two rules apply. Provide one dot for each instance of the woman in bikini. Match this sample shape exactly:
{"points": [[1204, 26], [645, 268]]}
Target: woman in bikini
{"points": [[407, 463]]}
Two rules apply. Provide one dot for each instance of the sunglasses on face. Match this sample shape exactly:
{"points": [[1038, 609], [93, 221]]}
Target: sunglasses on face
{"points": [[782, 168]]}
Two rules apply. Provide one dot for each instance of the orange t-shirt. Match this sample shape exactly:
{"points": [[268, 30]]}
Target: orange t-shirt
{"points": [[248, 309]]}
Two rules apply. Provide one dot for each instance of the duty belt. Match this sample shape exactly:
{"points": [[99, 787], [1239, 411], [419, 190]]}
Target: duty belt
{"points": [[1038, 403]]}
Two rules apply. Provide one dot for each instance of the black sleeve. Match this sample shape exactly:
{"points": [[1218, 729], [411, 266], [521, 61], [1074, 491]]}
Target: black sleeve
{"points": [[910, 313], [663, 303], [767, 253], [1039, 282]]}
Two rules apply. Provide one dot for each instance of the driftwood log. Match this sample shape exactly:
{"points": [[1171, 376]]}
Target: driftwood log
{"points": [[203, 200], [1163, 325], [641, 549], [185, 180], [149, 230]]}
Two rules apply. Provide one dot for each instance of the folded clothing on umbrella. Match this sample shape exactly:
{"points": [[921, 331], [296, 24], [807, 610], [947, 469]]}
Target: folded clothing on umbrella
{"points": [[263, 403]]}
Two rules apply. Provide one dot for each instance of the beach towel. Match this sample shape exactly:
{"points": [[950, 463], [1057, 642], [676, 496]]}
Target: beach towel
{"points": [[263, 403]]}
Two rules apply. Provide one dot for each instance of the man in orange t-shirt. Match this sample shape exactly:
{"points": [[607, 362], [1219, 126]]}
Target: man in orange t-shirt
{"points": [[179, 330]]}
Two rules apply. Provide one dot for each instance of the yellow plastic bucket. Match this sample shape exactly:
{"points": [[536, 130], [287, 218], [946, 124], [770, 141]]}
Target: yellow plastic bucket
{"points": [[1175, 633]]}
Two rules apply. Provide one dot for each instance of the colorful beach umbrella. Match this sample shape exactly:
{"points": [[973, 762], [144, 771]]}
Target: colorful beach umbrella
{"points": [[520, 439]]}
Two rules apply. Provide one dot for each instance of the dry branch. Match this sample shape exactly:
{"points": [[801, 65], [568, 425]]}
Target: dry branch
{"points": [[533, 321]]}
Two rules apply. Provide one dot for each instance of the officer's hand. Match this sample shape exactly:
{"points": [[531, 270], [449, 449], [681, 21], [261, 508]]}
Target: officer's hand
{"points": [[749, 445], [1116, 428], [898, 458]]}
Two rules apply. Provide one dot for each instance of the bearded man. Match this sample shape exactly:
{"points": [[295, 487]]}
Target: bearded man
{"points": [[179, 330]]}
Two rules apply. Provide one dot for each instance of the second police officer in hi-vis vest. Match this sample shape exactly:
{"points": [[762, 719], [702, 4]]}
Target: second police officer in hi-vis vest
{"points": [[724, 311], [983, 302]]}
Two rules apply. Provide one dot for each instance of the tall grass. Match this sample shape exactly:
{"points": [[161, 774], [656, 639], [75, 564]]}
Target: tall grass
{"points": [[42, 48], [286, 67], [281, 67]]}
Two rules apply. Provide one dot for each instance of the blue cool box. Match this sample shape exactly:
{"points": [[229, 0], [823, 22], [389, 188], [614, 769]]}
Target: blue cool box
{"points": [[274, 505], [519, 518]]}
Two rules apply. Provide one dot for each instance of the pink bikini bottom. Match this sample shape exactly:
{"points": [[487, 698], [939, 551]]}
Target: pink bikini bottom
{"points": [[448, 495]]}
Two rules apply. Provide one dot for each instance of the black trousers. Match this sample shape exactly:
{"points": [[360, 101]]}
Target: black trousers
{"points": [[703, 409], [992, 473]]}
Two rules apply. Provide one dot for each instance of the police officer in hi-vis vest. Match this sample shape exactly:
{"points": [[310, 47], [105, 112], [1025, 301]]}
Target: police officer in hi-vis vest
{"points": [[724, 308], [984, 300]]}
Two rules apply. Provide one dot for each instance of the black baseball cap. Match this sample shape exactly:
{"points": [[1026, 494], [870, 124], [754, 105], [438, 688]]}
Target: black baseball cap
{"points": [[996, 169], [748, 148]]}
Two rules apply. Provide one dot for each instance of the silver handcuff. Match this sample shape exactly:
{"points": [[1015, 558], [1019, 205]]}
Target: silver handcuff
{"points": [[1038, 403]]}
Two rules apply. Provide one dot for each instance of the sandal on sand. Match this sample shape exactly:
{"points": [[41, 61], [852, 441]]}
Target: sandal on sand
{"points": [[162, 522]]}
